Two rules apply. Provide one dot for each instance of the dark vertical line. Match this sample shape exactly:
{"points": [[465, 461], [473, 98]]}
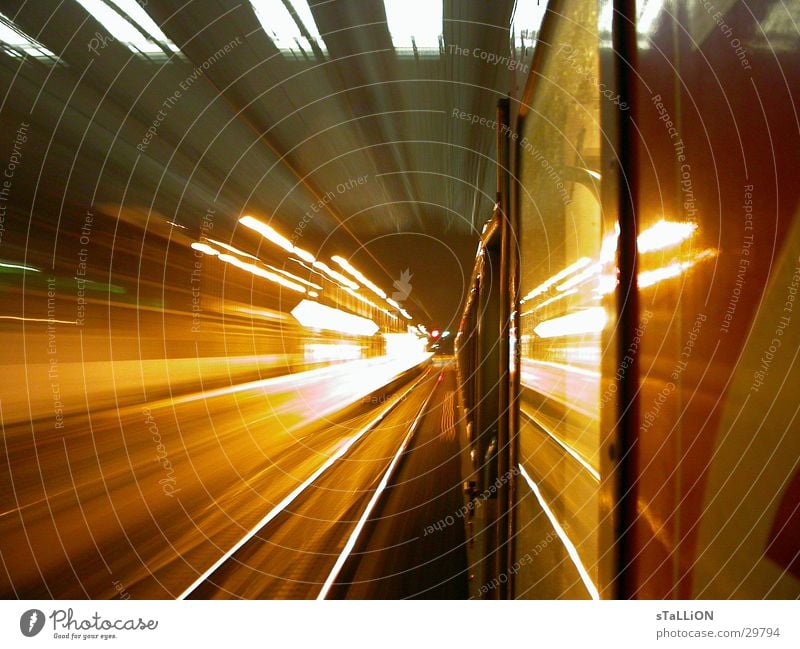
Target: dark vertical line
{"points": [[627, 451]]}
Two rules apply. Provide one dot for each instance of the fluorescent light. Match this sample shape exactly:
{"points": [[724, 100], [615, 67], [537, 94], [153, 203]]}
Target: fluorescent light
{"points": [[361, 298], [357, 274], [260, 272], [304, 255], [414, 24], [544, 286], [131, 25], [651, 277], [665, 234], [204, 248], [19, 44], [230, 248], [334, 275], [393, 303], [271, 234], [580, 278], [318, 316], [587, 321], [294, 277], [405, 314], [268, 232], [282, 28]]}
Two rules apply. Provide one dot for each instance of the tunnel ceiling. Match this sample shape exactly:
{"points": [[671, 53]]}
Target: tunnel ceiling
{"points": [[364, 133]]}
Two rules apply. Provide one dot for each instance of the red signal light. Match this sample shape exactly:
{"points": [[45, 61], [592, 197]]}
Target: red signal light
{"points": [[435, 333]]}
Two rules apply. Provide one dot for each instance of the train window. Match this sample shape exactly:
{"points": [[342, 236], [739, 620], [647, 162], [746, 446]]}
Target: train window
{"points": [[561, 311]]}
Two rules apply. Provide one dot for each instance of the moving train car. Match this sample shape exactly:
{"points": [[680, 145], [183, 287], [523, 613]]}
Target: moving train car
{"points": [[628, 351]]}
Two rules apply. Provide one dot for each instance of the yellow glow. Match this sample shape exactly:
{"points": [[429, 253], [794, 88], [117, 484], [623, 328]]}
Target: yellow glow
{"points": [[317, 316], [268, 232], [665, 234], [271, 234], [261, 272], [404, 345], [20, 267], [304, 255], [590, 273], [651, 277], [544, 286], [322, 352], [391, 302], [591, 320], [263, 313], [230, 248], [357, 274], [662, 235], [609, 246], [361, 298], [294, 277], [406, 314], [204, 248], [550, 301], [334, 275]]}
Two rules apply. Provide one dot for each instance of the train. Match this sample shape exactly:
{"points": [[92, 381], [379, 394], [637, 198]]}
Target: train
{"points": [[627, 355]]}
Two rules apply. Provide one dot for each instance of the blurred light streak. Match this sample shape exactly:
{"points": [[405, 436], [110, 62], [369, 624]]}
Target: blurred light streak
{"points": [[568, 545], [294, 277], [204, 248], [551, 300], [580, 278], [19, 267], [391, 302], [322, 352], [665, 234], [260, 272], [304, 255], [272, 315], [406, 314], [272, 235], [268, 232], [591, 320], [346, 281], [19, 43], [358, 275], [318, 316], [128, 23], [651, 277], [21, 319], [230, 248], [575, 455], [544, 286], [365, 300]]}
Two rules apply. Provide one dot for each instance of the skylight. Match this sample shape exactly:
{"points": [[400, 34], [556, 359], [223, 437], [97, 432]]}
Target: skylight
{"points": [[128, 23], [16, 43], [284, 30], [527, 21], [415, 24]]}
